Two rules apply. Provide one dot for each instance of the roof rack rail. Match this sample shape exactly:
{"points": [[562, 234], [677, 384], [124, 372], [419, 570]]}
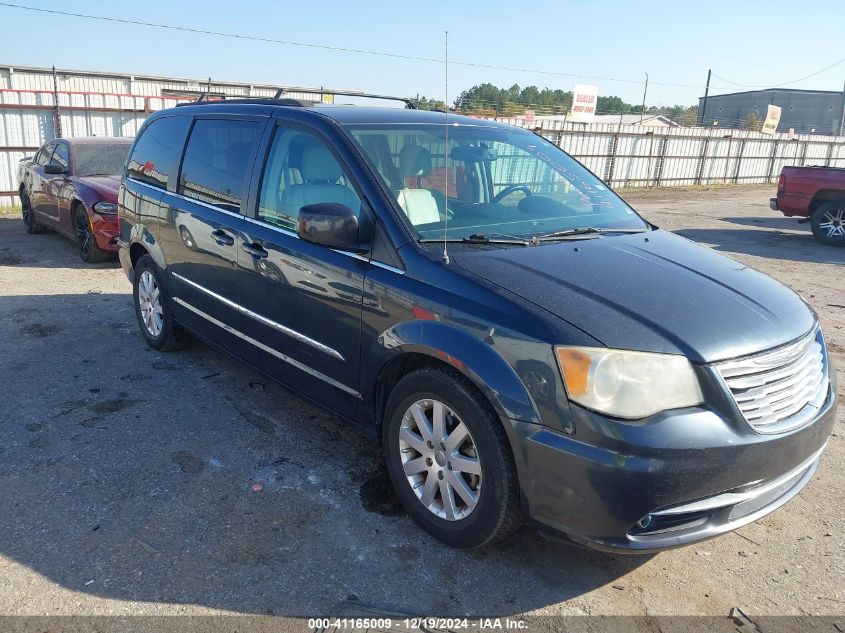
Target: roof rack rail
{"points": [[250, 100], [205, 97], [409, 103]]}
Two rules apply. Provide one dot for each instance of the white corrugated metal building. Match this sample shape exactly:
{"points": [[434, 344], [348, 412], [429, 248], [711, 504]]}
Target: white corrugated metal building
{"points": [[94, 103], [115, 104]]}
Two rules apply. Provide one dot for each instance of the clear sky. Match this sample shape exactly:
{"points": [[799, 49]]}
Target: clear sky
{"points": [[757, 44]]}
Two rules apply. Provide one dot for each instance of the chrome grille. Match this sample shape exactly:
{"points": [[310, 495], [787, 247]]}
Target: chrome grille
{"points": [[780, 389]]}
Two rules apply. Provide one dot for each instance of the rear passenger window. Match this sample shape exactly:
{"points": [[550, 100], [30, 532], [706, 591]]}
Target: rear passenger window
{"points": [[155, 157], [217, 160], [301, 170]]}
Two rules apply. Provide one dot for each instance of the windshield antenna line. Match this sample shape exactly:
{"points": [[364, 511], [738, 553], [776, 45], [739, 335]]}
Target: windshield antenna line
{"points": [[445, 257]]}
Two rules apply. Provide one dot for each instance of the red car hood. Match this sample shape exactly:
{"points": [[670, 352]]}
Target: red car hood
{"points": [[105, 186]]}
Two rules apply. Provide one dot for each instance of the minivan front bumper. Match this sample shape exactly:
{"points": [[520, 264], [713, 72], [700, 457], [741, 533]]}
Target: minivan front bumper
{"points": [[686, 476]]}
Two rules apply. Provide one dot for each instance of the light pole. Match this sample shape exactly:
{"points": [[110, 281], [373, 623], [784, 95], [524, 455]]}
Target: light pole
{"points": [[645, 92], [842, 120], [704, 103]]}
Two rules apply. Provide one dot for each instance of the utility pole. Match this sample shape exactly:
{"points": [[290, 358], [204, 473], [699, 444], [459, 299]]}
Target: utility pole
{"points": [[645, 91], [842, 118], [704, 105], [56, 114]]}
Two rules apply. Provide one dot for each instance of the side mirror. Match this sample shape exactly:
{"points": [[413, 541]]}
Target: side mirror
{"points": [[330, 224], [54, 168]]}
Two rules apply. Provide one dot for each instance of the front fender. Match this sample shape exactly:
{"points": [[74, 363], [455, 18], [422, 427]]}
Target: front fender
{"points": [[473, 357]]}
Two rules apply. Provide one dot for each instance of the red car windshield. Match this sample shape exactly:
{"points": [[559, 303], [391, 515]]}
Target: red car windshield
{"points": [[100, 159]]}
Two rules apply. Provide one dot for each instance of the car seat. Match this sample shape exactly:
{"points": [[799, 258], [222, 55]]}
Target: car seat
{"points": [[422, 206], [320, 172]]}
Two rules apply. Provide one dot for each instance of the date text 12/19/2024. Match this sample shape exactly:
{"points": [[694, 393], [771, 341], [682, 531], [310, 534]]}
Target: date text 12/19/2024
{"points": [[320, 625]]}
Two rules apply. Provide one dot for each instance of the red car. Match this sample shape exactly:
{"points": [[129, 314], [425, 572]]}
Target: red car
{"points": [[816, 194], [70, 186]]}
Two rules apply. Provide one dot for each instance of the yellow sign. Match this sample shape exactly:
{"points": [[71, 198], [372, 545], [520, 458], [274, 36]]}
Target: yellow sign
{"points": [[770, 125]]}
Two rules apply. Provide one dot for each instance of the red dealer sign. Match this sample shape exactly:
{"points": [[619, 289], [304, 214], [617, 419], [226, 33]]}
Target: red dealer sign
{"points": [[584, 100]]}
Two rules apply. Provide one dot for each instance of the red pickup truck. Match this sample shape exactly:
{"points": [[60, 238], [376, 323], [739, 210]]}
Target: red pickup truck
{"points": [[817, 194]]}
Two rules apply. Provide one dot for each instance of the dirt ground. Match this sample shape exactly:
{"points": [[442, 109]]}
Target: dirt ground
{"points": [[127, 476]]}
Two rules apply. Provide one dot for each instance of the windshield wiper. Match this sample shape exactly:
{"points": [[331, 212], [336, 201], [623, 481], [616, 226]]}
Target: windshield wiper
{"points": [[586, 230], [476, 239]]}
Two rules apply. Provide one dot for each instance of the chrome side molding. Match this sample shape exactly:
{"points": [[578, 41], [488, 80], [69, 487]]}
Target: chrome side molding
{"points": [[266, 348], [299, 336]]}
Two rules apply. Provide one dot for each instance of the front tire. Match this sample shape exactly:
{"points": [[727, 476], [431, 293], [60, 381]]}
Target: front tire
{"points": [[153, 308], [86, 243], [828, 223], [31, 225], [450, 460]]}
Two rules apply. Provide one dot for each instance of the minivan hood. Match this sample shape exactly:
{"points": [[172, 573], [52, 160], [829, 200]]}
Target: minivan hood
{"points": [[650, 292]]}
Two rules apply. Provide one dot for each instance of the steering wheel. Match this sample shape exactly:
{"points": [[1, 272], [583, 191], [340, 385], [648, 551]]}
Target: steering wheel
{"points": [[504, 193]]}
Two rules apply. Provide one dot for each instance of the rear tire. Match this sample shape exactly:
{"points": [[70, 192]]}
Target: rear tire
{"points": [[153, 309], [471, 456], [30, 223], [86, 244], [828, 223]]}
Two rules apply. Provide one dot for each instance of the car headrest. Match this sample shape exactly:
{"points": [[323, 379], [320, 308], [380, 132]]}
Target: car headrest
{"points": [[318, 164], [414, 161]]}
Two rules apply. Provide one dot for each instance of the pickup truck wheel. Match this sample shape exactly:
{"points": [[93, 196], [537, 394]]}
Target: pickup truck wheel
{"points": [[30, 223], [450, 460], [829, 223]]}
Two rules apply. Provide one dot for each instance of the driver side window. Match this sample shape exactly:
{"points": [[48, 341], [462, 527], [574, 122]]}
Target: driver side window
{"points": [[61, 155], [45, 154], [301, 170]]}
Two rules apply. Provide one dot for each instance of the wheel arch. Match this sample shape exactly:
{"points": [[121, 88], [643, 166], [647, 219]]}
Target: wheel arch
{"points": [[143, 242], [77, 202], [136, 252], [825, 195], [406, 347]]}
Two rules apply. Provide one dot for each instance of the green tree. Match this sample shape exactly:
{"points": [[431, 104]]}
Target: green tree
{"points": [[424, 103], [489, 100], [752, 122]]}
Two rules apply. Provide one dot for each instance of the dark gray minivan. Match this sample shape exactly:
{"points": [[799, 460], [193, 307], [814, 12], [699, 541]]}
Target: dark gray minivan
{"points": [[525, 346]]}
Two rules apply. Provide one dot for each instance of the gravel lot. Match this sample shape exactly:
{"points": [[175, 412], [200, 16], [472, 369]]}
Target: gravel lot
{"points": [[127, 476]]}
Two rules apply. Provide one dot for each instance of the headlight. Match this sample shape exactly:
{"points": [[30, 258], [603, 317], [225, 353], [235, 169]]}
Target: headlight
{"points": [[108, 208], [628, 384]]}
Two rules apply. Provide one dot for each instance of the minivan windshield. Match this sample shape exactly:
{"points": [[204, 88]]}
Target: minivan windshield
{"points": [[502, 182]]}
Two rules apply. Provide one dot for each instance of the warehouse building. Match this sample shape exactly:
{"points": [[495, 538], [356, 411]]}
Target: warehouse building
{"points": [[805, 111], [38, 105]]}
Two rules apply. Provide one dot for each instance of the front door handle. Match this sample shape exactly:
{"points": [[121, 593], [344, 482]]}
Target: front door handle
{"points": [[256, 250], [222, 238]]}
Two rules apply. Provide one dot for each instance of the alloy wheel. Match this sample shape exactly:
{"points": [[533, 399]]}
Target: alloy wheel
{"points": [[187, 238], [149, 302], [83, 233], [440, 460], [26, 211], [833, 223]]}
